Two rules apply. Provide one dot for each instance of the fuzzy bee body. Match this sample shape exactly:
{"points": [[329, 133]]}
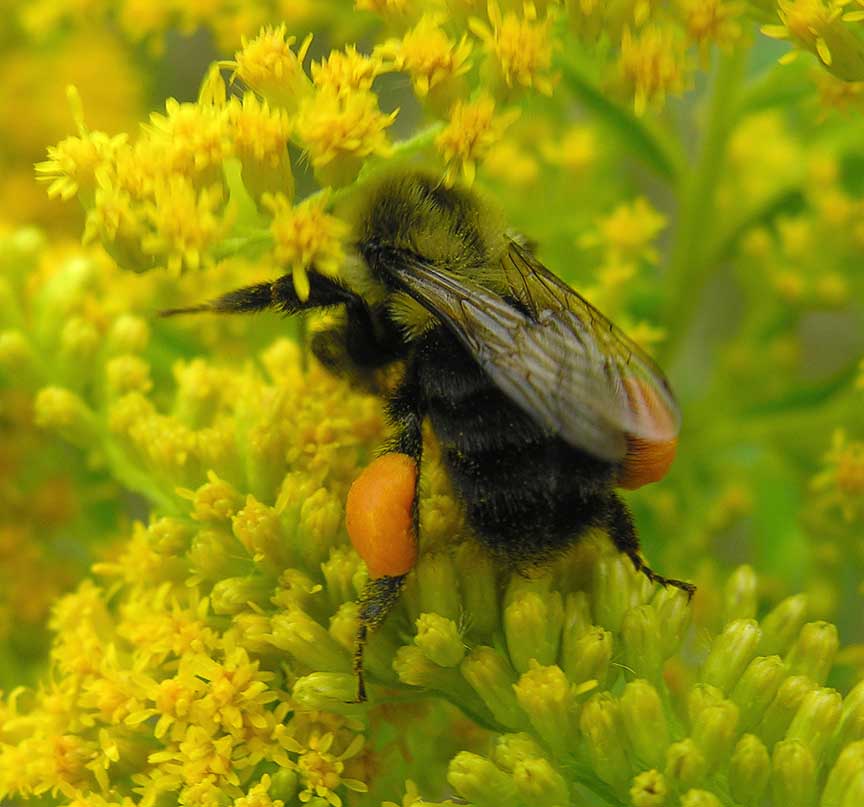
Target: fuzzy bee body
{"points": [[541, 406]]}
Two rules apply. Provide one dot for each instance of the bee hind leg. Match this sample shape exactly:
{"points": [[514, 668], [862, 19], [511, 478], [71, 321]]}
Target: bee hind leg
{"points": [[376, 601], [619, 525]]}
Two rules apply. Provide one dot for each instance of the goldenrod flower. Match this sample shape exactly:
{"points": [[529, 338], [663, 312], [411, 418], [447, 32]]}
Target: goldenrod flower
{"points": [[346, 71], [72, 164], [842, 482], [338, 131], [521, 46], [185, 223], [269, 66], [305, 237], [429, 56], [472, 130], [651, 64]]}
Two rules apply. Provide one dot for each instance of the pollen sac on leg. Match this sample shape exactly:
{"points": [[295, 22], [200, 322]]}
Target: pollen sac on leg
{"points": [[379, 515]]}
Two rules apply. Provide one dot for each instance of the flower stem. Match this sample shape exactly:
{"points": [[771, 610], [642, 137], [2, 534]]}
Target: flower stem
{"points": [[688, 268]]}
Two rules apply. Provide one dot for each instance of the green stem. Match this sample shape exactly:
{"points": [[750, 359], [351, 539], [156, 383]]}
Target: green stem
{"points": [[688, 268]]}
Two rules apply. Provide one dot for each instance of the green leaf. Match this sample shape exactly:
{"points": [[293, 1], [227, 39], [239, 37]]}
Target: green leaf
{"points": [[635, 133]]}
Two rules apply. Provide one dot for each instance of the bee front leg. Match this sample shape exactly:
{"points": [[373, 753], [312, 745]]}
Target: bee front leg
{"points": [[382, 515], [619, 524]]}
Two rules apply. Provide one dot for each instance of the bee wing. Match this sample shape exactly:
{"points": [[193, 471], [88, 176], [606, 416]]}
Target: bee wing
{"points": [[553, 354]]}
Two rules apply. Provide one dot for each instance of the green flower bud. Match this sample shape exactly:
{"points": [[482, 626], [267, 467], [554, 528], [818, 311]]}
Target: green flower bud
{"points": [[17, 356], [480, 598], [437, 587], [413, 667], [79, 340], [482, 783], [283, 785], [339, 570], [685, 764], [438, 637], [715, 732], [814, 651], [793, 774], [533, 616], [757, 687], [649, 789], [258, 528], [253, 631], [848, 768], [128, 334], [537, 782], [616, 590], [234, 594], [493, 679], [851, 725], [782, 709], [749, 770], [547, 697], [577, 616], [333, 692], [739, 594], [645, 722], [606, 741], [308, 642], [588, 658], [854, 795], [816, 719], [511, 749], [640, 633], [673, 613], [66, 413], [380, 647], [782, 625], [699, 798], [700, 697], [730, 653], [213, 554]]}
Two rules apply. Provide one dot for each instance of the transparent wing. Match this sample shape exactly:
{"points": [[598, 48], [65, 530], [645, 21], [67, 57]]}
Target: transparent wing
{"points": [[552, 353]]}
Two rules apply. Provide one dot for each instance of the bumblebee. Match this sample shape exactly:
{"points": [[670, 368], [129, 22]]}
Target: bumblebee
{"points": [[541, 405]]}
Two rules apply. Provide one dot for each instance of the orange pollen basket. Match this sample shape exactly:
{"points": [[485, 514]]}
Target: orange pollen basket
{"points": [[379, 515]]}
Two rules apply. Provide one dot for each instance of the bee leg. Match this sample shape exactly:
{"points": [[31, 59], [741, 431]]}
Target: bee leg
{"points": [[377, 600], [381, 594], [619, 525]]}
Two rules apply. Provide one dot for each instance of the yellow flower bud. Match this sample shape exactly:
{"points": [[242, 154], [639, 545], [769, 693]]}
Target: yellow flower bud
{"points": [[331, 691], [645, 722], [640, 633], [481, 782], [533, 616], [816, 719], [685, 764], [493, 679], [699, 798], [215, 500], [851, 725], [17, 356], [79, 339], [480, 599], [588, 658], [673, 612], [511, 749], [258, 528], [233, 594], [814, 651], [128, 334], [339, 571], [749, 770], [438, 586], [731, 652], [65, 412], [212, 554], [848, 769], [616, 590], [715, 731], [547, 697], [757, 687], [782, 709], [781, 625], [438, 637], [537, 782], [606, 741], [308, 642], [793, 774], [649, 789], [127, 373], [739, 594]]}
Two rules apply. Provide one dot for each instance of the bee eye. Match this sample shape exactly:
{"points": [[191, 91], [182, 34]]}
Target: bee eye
{"points": [[379, 515]]}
